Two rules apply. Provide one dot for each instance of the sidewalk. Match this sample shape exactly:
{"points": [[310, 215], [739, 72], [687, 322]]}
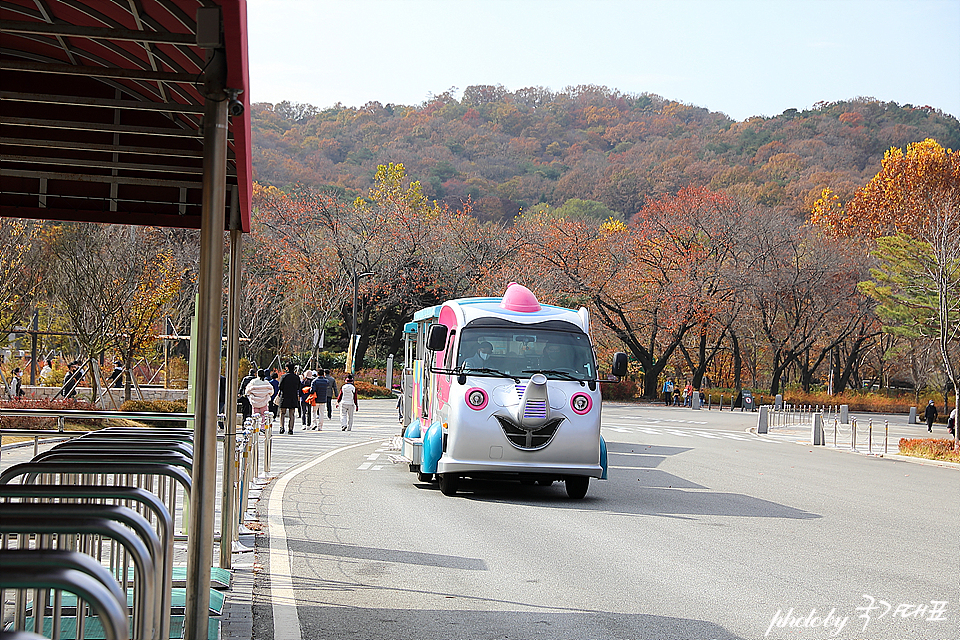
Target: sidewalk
{"points": [[884, 442]]}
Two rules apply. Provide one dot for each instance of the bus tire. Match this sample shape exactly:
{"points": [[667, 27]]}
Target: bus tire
{"points": [[424, 477], [449, 483], [576, 486]]}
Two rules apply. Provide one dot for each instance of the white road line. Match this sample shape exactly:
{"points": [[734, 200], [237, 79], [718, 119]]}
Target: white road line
{"points": [[364, 466], [286, 620]]}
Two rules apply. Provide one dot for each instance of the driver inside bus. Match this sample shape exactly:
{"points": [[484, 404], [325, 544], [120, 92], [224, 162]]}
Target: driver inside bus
{"points": [[553, 357], [480, 359]]}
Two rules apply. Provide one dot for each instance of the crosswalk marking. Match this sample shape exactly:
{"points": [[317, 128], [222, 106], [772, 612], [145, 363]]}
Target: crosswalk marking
{"points": [[693, 433]]}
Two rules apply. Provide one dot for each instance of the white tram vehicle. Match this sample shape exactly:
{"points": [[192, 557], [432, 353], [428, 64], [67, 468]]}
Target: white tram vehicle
{"points": [[503, 388]]}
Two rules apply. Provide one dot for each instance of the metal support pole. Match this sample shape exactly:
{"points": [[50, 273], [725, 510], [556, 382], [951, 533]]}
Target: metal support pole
{"points": [[886, 435], [228, 485], [34, 351], [870, 436], [203, 498]]}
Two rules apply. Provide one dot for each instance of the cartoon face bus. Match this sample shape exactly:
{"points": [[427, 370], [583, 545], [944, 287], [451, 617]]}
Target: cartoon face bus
{"points": [[503, 388]]}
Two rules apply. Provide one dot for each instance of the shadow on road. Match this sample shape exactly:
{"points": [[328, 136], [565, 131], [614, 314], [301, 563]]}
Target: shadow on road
{"points": [[310, 547], [641, 489]]}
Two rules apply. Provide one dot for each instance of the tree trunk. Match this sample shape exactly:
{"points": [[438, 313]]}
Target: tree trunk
{"points": [[737, 359]]}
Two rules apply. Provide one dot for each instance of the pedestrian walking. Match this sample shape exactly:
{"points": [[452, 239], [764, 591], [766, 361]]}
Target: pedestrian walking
{"points": [[668, 391], [259, 391], [318, 389], [952, 422], [289, 398], [72, 380], [275, 383], [15, 389], [46, 373], [347, 403], [332, 392], [930, 414], [306, 409], [245, 407]]}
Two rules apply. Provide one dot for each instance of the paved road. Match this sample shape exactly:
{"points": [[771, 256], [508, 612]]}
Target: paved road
{"points": [[704, 530]]}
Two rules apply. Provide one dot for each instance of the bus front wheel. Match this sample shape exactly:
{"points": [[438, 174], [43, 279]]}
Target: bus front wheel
{"points": [[449, 483], [577, 486]]}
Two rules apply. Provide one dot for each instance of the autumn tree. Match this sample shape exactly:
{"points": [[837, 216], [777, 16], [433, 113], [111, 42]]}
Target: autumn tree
{"points": [[20, 270], [911, 211], [113, 287], [650, 282]]}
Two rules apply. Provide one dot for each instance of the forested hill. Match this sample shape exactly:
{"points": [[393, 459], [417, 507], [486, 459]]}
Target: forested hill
{"points": [[508, 150]]}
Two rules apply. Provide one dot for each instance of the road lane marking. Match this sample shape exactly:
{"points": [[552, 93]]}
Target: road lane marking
{"points": [[286, 619]]}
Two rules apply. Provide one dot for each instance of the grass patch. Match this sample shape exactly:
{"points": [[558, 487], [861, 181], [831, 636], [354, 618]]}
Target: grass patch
{"points": [[930, 449]]}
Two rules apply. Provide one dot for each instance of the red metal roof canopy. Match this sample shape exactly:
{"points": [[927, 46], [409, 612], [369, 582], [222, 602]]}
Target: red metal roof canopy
{"points": [[101, 110]]}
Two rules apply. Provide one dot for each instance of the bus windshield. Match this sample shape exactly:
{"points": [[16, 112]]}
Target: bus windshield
{"points": [[521, 350]]}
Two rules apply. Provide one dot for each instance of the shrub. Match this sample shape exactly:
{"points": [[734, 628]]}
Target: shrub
{"points": [[155, 406], [367, 390], [930, 449], [28, 422], [158, 406], [626, 389]]}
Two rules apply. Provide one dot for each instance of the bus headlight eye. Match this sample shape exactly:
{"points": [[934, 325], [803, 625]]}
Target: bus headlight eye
{"points": [[476, 399], [581, 403]]}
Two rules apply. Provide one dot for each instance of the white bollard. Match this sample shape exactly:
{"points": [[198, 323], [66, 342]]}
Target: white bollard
{"points": [[763, 419]]}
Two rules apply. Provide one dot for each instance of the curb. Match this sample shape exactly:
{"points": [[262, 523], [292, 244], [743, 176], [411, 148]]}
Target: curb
{"points": [[29, 443]]}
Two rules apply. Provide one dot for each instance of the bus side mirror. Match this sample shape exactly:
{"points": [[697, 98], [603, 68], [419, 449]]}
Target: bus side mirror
{"points": [[619, 364], [437, 337]]}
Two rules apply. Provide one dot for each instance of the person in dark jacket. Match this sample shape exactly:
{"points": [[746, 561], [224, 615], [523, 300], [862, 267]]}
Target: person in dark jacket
{"points": [[289, 398], [332, 391], [319, 389], [72, 380], [930, 414], [275, 383], [242, 399]]}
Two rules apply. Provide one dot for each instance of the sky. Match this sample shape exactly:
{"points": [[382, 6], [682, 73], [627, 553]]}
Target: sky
{"points": [[741, 57]]}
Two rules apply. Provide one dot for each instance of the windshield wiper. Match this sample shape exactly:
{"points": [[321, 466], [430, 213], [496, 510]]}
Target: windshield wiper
{"points": [[563, 374], [495, 372]]}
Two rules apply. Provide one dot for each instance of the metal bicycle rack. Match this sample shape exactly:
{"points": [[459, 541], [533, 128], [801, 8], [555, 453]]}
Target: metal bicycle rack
{"points": [[120, 497]]}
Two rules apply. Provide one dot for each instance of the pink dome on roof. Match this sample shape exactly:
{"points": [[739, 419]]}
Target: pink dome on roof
{"points": [[519, 298]]}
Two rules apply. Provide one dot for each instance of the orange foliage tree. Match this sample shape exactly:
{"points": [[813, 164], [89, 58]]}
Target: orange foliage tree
{"points": [[911, 211]]}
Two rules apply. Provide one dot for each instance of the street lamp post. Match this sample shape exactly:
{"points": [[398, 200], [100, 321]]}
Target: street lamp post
{"points": [[355, 336]]}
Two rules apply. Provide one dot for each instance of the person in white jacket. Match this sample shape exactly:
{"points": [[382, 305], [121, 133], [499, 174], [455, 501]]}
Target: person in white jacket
{"points": [[259, 391], [347, 402]]}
